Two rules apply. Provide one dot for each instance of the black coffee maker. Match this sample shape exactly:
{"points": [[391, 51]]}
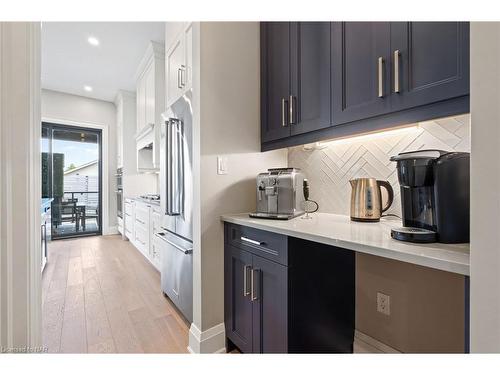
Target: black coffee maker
{"points": [[435, 196]]}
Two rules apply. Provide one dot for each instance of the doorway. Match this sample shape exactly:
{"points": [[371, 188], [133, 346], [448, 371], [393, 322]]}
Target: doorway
{"points": [[72, 179]]}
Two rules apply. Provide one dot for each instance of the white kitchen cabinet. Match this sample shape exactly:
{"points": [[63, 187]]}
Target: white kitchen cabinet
{"points": [[129, 211], [155, 228], [150, 105], [146, 220], [179, 64], [126, 129]]}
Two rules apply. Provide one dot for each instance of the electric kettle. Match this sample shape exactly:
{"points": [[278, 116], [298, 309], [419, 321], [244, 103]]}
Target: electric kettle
{"points": [[366, 199]]}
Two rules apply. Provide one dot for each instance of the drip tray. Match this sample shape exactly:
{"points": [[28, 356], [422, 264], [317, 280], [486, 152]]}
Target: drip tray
{"points": [[410, 234]]}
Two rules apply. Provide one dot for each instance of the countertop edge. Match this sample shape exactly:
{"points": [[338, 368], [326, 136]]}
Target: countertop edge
{"points": [[425, 261]]}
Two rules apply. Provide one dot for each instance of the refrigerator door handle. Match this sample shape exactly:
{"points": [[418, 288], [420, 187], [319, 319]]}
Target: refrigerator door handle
{"points": [[180, 168], [174, 172], [168, 206]]}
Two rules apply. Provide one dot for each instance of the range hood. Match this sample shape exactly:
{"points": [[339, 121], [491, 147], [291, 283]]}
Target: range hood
{"points": [[146, 147]]}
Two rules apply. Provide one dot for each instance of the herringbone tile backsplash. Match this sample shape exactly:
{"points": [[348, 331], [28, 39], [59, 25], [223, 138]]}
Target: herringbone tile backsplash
{"points": [[329, 169]]}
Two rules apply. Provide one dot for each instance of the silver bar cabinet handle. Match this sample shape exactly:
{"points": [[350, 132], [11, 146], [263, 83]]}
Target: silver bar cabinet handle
{"points": [[253, 297], [292, 118], [253, 242], [396, 71], [179, 78], [245, 282], [183, 71], [380, 77], [283, 112]]}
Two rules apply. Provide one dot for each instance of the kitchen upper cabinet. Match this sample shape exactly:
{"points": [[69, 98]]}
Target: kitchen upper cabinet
{"points": [[296, 84], [430, 62], [149, 95], [126, 129], [179, 64], [275, 80], [360, 66], [150, 105], [326, 80], [309, 101]]}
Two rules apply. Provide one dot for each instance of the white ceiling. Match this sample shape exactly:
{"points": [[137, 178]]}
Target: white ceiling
{"points": [[69, 62]]}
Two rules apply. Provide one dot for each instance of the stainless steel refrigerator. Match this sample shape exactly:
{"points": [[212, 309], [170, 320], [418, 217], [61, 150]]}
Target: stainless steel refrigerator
{"points": [[176, 184]]}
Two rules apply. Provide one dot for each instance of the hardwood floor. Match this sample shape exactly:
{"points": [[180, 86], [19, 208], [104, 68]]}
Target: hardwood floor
{"points": [[100, 295]]}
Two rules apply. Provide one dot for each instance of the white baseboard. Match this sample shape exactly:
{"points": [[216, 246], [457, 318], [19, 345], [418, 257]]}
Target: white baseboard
{"points": [[212, 340], [367, 344]]}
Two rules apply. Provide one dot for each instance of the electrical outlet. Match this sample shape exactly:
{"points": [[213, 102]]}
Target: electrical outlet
{"points": [[383, 303]]}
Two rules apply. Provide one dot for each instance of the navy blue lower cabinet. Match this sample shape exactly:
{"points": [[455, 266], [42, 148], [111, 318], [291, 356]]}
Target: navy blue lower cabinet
{"points": [[286, 295]]}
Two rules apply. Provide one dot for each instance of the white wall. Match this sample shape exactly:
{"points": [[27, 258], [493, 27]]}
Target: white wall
{"points": [[77, 110], [485, 180], [227, 122]]}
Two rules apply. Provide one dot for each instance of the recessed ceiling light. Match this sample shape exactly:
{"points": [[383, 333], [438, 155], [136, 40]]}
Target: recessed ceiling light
{"points": [[93, 40], [87, 88]]}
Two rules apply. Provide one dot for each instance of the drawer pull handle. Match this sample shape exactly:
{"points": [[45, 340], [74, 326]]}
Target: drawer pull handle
{"points": [[245, 282], [253, 242], [140, 221]]}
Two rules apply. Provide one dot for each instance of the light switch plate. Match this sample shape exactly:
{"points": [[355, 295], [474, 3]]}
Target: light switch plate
{"points": [[222, 165]]}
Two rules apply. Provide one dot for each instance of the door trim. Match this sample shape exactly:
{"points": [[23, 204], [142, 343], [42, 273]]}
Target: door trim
{"points": [[105, 158], [20, 132]]}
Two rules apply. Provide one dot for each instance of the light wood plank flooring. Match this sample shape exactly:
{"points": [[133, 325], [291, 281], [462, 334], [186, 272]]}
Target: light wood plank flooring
{"points": [[100, 295]]}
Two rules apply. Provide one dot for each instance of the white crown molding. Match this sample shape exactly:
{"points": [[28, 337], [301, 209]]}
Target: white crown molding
{"points": [[123, 94], [212, 340], [155, 50]]}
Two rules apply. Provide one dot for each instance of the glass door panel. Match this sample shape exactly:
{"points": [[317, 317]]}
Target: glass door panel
{"points": [[73, 179]]}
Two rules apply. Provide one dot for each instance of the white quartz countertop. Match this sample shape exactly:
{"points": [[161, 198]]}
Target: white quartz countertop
{"points": [[368, 238]]}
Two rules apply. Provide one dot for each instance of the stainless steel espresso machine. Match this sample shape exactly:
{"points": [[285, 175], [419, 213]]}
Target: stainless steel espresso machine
{"points": [[280, 194]]}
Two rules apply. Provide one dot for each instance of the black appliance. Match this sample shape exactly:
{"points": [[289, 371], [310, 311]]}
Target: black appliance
{"points": [[435, 196]]}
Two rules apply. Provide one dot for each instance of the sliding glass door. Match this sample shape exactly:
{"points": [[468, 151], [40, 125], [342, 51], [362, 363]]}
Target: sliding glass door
{"points": [[71, 179]]}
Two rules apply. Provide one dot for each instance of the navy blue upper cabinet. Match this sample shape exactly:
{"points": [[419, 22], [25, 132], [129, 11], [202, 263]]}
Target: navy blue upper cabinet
{"points": [[311, 83], [275, 79], [295, 73], [360, 70], [328, 80], [430, 62]]}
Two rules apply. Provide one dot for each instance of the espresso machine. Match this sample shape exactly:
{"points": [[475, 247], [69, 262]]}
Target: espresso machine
{"points": [[435, 196], [280, 194]]}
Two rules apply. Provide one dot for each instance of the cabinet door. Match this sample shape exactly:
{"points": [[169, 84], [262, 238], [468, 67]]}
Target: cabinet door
{"points": [[238, 307], [269, 292], [432, 63], [310, 101], [141, 103], [149, 95], [188, 70], [275, 80], [360, 70], [173, 64]]}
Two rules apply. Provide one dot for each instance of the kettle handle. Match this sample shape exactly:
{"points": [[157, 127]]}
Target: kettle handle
{"points": [[388, 187]]}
